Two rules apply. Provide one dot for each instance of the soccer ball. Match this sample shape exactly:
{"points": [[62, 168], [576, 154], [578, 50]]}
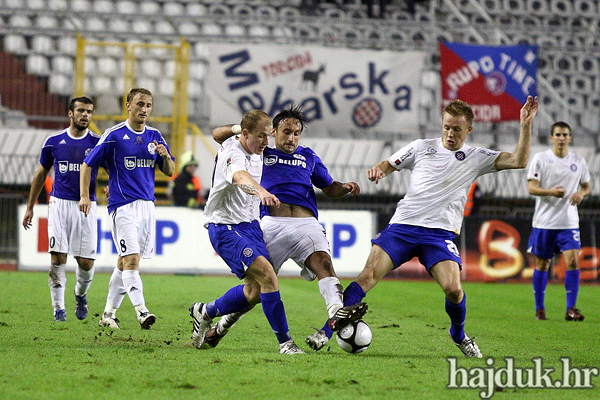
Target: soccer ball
{"points": [[355, 337]]}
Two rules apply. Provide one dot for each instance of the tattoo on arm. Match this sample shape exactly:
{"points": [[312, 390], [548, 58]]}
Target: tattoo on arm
{"points": [[249, 189]]}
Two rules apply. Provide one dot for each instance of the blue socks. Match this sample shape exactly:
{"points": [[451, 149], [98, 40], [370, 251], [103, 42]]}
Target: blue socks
{"points": [[572, 287], [540, 281], [353, 294], [232, 301], [457, 314], [275, 313]]}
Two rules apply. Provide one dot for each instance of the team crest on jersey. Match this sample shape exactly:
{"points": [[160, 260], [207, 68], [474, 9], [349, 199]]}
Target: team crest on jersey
{"points": [[151, 148], [430, 151], [248, 252], [129, 162], [270, 160], [299, 156], [87, 151], [573, 167], [460, 155], [63, 166]]}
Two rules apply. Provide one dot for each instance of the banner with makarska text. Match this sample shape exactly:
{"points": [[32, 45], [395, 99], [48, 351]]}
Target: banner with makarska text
{"points": [[340, 90], [494, 80]]}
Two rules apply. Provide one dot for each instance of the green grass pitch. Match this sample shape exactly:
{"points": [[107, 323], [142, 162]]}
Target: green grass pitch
{"points": [[40, 359]]}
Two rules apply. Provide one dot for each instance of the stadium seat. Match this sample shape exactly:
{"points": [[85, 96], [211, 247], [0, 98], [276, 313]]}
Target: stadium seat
{"points": [[95, 24], [15, 44], [80, 6], [289, 14], [564, 63], [108, 104], [43, 44], [46, 22], [108, 66], [212, 29], [258, 31], [538, 7], [151, 68], [102, 84], [587, 63], [142, 26], [188, 28], [67, 45], [146, 82], [162, 106], [266, 13], [104, 6], [63, 65], [118, 25], [169, 68], [197, 70], [195, 9], [19, 21], [61, 84], [195, 89], [166, 87], [160, 52], [234, 30], [200, 50], [561, 7], [14, 4], [242, 11], [219, 10], [516, 7], [58, 5], [559, 82], [127, 7], [492, 7], [37, 64], [164, 27], [173, 9], [586, 8]]}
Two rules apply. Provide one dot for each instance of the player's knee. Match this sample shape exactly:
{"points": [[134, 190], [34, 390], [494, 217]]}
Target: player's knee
{"points": [[320, 263], [454, 293]]}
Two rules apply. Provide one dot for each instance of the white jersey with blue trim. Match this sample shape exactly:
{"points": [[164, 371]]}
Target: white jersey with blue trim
{"points": [[439, 182], [66, 153], [227, 203], [551, 171], [131, 157]]}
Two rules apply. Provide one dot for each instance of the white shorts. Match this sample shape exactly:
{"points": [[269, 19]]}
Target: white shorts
{"points": [[70, 231], [134, 228], [295, 238]]}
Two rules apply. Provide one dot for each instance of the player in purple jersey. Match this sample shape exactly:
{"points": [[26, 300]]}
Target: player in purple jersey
{"points": [[131, 149], [430, 214], [292, 231], [69, 232]]}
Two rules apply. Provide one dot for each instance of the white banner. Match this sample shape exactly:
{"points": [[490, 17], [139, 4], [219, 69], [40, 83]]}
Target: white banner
{"points": [[338, 89], [183, 246]]}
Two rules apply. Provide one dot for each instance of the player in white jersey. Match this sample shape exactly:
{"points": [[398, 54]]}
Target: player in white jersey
{"points": [[69, 232], [559, 179], [231, 217], [430, 215], [131, 150], [292, 231]]}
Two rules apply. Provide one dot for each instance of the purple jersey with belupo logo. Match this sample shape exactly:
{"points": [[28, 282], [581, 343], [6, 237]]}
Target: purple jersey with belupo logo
{"points": [[66, 153], [130, 157], [291, 177]]}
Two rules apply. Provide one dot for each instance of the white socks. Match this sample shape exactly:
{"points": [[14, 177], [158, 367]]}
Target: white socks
{"points": [[57, 280], [134, 287], [116, 292], [332, 292], [84, 280]]}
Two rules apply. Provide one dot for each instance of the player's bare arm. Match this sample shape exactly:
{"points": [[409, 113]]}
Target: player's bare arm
{"points": [[578, 196], [37, 182], [245, 182], [339, 189], [168, 167], [536, 190], [85, 177], [223, 133], [519, 158], [380, 171]]}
